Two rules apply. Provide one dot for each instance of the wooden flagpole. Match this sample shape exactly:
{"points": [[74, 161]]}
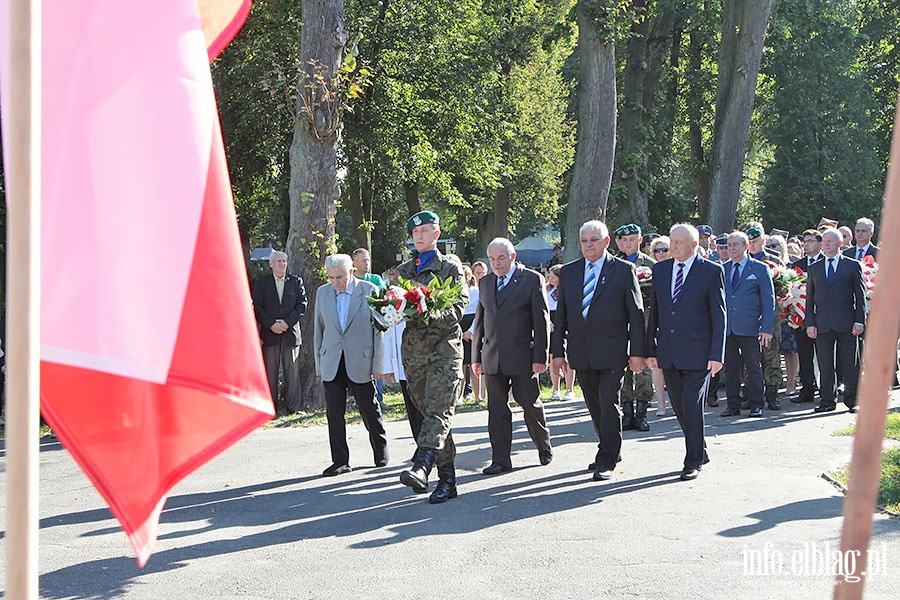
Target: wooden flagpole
{"points": [[878, 367], [23, 297]]}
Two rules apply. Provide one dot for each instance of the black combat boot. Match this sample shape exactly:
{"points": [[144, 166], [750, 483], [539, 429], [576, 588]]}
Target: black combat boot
{"points": [[628, 415], [640, 416], [417, 476], [772, 402], [446, 485]]}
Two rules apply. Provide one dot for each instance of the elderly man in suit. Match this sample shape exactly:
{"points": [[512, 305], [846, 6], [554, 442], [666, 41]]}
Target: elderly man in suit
{"points": [[686, 335], [750, 301], [511, 343], [348, 352], [835, 316], [279, 302], [599, 329], [865, 229]]}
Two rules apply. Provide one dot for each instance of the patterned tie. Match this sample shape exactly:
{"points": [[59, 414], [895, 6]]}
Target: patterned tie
{"points": [[589, 285], [679, 283], [501, 282], [555, 294], [735, 275], [830, 273]]}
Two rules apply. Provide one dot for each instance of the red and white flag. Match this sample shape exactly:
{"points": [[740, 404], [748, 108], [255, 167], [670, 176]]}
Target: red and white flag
{"points": [[150, 359]]}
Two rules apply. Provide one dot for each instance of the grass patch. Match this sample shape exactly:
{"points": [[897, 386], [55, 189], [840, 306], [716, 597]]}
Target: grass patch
{"points": [[891, 428], [888, 481], [394, 409]]}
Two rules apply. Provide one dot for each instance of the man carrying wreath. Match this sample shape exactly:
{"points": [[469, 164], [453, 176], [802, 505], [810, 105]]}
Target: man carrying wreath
{"points": [[432, 354]]}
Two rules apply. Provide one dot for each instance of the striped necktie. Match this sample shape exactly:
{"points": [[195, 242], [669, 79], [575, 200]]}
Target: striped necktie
{"points": [[501, 281], [590, 284], [679, 282]]}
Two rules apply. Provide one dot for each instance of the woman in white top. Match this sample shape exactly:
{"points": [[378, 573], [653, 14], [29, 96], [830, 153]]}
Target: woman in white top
{"points": [[659, 250], [552, 292], [472, 277]]}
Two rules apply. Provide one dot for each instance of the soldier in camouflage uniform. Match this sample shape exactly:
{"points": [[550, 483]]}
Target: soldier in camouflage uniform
{"points": [[637, 389], [432, 358], [771, 354]]}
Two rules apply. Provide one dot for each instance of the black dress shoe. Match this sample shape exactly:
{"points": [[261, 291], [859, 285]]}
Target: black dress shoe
{"points": [[824, 408], [755, 412], [803, 399], [712, 402], [731, 412], [745, 404], [546, 457], [689, 474], [496, 469], [773, 404], [336, 469], [854, 409], [602, 473]]}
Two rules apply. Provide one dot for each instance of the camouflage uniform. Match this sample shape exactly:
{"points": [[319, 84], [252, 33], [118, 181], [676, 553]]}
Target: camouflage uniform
{"points": [[637, 388], [771, 363], [432, 358]]}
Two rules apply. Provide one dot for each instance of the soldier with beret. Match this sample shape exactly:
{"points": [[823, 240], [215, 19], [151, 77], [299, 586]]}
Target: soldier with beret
{"points": [[637, 389], [432, 357]]}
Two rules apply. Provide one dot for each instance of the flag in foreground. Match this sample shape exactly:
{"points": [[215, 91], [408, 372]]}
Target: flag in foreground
{"points": [[150, 360]]}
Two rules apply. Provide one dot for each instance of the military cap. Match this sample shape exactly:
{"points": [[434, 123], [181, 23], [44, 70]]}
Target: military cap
{"points": [[754, 232], [722, 240], [629, 229], [827, 222], [648, 237], [704, 229], [421, 218]]}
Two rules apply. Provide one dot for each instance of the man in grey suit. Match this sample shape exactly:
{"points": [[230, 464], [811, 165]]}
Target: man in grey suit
{"points": [[750, 302], [348, 352], [599, 329], [511, 343], [865, 229]]}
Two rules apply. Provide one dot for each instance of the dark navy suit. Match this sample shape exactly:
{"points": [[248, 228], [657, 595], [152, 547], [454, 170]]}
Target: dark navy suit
{"points": [[684, 336], [751, 311]]}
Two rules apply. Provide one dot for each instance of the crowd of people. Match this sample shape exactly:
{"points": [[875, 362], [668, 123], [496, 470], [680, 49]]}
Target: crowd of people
{"points": [[665, 317]]}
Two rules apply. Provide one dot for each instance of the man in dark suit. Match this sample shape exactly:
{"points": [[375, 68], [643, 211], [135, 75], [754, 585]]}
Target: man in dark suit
{"points": [[510, 345], [835, 316], [686, 335], [865, 229], [750, 301], [806, 347], [349, 353], [279, 302], [599, 329]]}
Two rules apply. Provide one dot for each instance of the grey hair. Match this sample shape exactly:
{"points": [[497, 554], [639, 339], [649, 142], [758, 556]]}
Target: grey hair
{"points": [[834, 233], [690, 229], [867, 222], [502, 243], [276, 253], [740, 235], [594, 225], [341, 262]]}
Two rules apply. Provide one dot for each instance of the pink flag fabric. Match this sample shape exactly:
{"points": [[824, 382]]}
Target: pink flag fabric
{"points": [[150, 360]]}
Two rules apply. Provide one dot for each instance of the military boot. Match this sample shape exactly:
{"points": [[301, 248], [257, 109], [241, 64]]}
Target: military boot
{"points": [[446, 485], [417, 476], [772, 402], [628, 415], [640, 416]]}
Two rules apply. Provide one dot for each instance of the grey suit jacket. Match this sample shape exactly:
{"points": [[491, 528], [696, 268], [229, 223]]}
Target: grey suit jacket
{"points": [[360, 344], [512, 328]]}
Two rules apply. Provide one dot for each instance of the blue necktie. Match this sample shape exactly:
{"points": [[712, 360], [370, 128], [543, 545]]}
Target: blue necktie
{"points": [[501, 281], [735, 276], [679, 282], [830, 273], [860, 253], [589, 285]]}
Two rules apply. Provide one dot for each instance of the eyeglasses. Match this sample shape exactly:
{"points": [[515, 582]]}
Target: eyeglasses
{"points": [[657, 250]]}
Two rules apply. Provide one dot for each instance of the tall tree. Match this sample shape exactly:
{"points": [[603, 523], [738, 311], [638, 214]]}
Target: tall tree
{"points": [[596, 106], [743, 34], [323, 87]]}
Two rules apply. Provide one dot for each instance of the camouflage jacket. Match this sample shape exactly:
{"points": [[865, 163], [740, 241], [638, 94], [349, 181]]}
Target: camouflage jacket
{"points": [[446, 328]]}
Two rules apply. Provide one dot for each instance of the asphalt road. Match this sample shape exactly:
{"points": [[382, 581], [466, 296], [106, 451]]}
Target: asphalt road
{"points": [[261, 522]]}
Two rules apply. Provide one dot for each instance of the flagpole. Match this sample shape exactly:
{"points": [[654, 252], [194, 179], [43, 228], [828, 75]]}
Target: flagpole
{"points": [[23, 259]]}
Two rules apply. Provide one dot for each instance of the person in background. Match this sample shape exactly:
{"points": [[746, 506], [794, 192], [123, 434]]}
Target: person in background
{"points": [[788, 347], [703, 247], [846, 237], [794, 251], [565, 373], [479, 270], [659, 250], [468, 320], [362, 267], [865, 229]]}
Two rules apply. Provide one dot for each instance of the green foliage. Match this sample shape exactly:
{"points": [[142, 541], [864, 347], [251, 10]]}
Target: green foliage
{"points": [[612, 18], [819, 119]]}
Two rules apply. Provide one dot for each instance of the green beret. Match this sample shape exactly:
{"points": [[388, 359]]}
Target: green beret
{"points": [[629, 229], [754, 232], [421, 218]]}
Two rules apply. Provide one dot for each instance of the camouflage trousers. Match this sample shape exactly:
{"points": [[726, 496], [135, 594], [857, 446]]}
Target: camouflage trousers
{"points": [[435, 384], [771, 361], [638, 386]]}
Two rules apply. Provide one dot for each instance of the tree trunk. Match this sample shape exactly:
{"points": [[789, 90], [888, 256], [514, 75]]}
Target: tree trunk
{"points": [[411, 195], [743, 33], [595, 149], [646, 54], [314, 189], [500, 221], [694, 106]]}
